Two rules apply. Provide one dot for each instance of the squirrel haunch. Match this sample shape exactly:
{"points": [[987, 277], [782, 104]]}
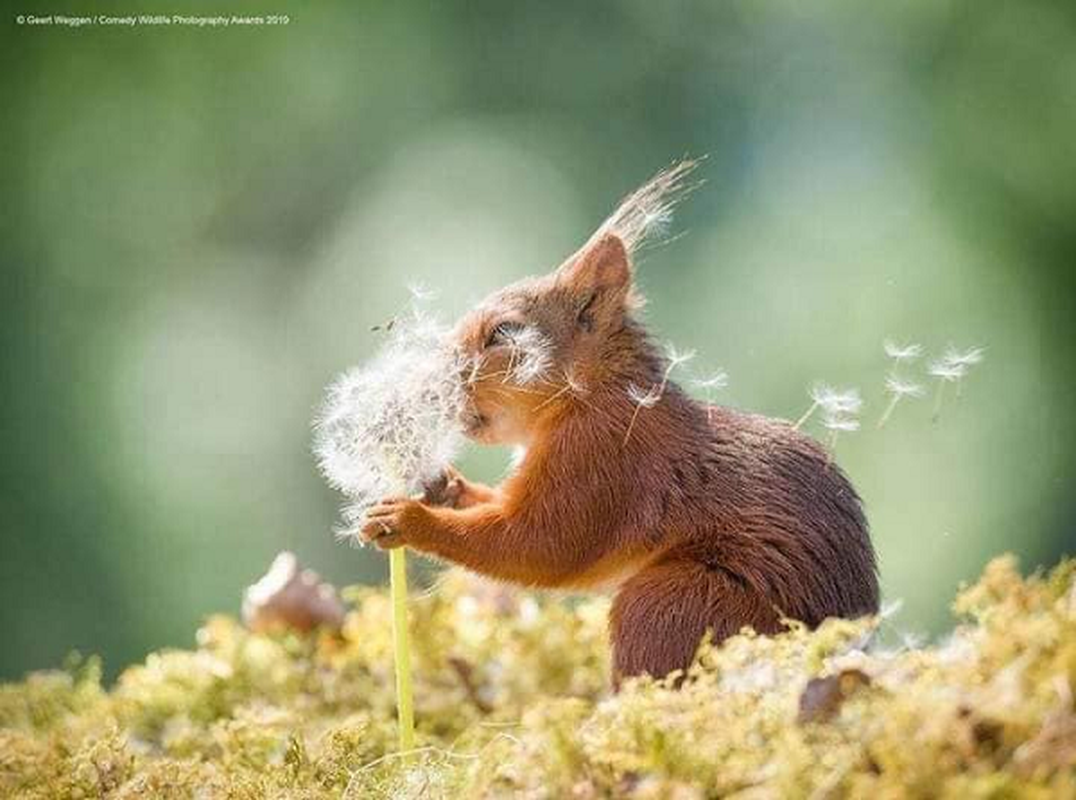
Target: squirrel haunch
{"points": [[698, 518]]}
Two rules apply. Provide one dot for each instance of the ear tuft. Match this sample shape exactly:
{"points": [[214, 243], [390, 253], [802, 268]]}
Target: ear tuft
{"points": [[645, 214]]}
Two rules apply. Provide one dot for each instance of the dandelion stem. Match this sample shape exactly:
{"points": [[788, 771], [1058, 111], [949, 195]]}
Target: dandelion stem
{"points": [[631, 425], [806, 416], [405, 710], [401, 639], [567, 387], [889, 410]]}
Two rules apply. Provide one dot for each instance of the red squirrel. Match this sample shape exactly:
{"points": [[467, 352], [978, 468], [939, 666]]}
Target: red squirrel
{"points": [[699, 518]]}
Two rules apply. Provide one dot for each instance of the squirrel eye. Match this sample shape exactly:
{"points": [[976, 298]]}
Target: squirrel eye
{"points": [[502, 333]]}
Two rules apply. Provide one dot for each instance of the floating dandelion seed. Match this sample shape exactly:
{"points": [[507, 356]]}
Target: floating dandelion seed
{"points": [[420, 292], [834, 402], [903, 388], [649, 398], [715, 383], [719, 380], [968, 358], [837, 423], [902, 353], [952, 367], [841, 424], [846, 401], [392, 426], [899, 388], [947, 371], [676, 358]]}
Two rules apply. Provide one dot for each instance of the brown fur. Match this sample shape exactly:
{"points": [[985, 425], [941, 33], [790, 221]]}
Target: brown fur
{"points": [[701, 519]]}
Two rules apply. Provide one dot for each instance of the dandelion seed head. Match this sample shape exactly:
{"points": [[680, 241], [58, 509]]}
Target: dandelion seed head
{"points": [[902, 352], [900, 387], [393, 425]]}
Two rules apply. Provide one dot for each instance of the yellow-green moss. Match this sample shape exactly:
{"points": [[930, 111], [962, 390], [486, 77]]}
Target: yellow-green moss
{"points": [[512, 700]]}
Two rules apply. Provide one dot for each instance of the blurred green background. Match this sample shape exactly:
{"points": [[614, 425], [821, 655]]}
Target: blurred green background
{"points": [[199, 228]]}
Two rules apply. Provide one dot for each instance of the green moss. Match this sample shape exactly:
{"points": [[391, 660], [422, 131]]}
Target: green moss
{"points": [[512, 699]]}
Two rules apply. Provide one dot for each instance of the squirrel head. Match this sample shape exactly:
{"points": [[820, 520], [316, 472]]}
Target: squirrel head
{"points": [[536, 345], [533, 343]]}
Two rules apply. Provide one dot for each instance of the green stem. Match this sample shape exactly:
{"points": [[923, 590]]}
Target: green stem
{"points": [[405, 710], [401, 641]]}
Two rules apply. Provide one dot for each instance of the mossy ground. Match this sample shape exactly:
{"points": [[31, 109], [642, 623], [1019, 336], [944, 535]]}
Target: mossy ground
{"points": [[512, 700]]}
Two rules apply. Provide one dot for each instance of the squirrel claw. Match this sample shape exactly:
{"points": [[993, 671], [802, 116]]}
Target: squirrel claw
{"points": [[385, 522]]}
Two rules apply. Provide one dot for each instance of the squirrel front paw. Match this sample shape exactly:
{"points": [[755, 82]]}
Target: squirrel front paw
{"points": [[446, 490], [392, 522]]}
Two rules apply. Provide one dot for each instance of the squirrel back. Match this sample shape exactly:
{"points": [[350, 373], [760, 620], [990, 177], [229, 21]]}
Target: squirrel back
{"points": [[745, 494]]}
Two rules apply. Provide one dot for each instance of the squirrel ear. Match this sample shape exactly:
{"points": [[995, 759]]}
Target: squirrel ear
{"points": [[600, 267]]}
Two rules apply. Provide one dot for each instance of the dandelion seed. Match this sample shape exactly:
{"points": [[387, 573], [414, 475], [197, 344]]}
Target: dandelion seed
{"points": [[910, 640], [899, 388], [530, 356], [902, 388], [650, 397], [676, 358], [392, 426], [947, 371], [841, 424], [844, 401], [902, 353], [420, 292], [642, 399], [953, 367], [575, 386], [834, 402], [968, 358], [716, 382], [719, 380], [646, 398], [837, 423], [891, 608]]}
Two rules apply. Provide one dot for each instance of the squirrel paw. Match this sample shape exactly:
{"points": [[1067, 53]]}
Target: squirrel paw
{"points": [[389, 522], [446, 490]]}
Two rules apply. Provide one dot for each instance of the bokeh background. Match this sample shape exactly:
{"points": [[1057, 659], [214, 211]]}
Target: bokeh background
{"points": [[200, 227]]}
